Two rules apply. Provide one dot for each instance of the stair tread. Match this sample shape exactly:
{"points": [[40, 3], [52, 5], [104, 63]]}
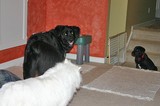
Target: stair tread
{"points": [[148, 45], [147, 30], [146, 35], [149, 53], [132, 65], [145, 41], [147, 38]]}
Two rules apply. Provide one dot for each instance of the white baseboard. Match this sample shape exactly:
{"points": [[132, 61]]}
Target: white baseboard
{"points": [[92, 59], [15, 62], [19, 61]]}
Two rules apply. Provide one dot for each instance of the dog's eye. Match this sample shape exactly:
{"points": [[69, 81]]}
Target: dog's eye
{"points": [[72, 33], [65, 34]]}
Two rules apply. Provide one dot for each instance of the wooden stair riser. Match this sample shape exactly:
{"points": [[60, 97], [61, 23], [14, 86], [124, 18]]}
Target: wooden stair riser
{"points": [[146, 35], [152, 47], [153, 57], [132, 65], [149, 38]]}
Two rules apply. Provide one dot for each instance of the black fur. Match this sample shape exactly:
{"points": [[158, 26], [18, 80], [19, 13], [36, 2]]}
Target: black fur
{"points": [[142, 60], [44, 50]]}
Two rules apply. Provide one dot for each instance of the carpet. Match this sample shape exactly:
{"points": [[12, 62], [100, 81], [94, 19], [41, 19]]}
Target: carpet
{"points": [[86, 68], [124, 81]]}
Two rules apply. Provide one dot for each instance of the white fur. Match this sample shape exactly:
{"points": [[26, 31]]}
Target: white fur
{"points": [[56, 87]]}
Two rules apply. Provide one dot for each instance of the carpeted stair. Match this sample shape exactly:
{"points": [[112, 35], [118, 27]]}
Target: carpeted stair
{"points": [[149, 38]]}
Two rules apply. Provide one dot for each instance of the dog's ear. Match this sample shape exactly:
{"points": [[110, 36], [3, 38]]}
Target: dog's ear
{"points": [[76, 31], [140, 48], [57, 29], [133, 53], [60, 27], [143, 49]]}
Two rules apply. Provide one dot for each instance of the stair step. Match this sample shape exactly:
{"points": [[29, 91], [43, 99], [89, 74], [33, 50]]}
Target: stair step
{"points": [[146, 35], [129, 64], [149, 38], [132, 65], [150, 46], [154, 57], [129, 57]]}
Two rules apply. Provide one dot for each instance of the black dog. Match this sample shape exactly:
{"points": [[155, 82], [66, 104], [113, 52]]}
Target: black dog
{"points": [[142, 60], [44, 50]]}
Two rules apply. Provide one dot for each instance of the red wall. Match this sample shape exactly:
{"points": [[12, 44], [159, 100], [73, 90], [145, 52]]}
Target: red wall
{"points": [[90, 15], [36, 16], [12, 53]]}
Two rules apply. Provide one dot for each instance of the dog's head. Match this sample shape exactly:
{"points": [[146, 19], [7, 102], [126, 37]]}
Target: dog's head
{"points": [[138, 51], [67, 36]]}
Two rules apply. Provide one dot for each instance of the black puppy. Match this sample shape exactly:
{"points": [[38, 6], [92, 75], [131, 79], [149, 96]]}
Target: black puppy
{"points": [[44, 50], [142, 60]]}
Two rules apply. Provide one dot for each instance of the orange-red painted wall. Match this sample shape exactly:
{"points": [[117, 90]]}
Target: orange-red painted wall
{"points": [[12, 53], [36, 16], [90, 15]]}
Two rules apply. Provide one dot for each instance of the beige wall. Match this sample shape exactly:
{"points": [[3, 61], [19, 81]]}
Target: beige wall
{"points": [[117, 17], [125, 13], [140, 11]]}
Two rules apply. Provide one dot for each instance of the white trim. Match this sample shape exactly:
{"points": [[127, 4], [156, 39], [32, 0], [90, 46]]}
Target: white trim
{"points": [[15, 62], [92, 59], [19, 61], [116, 93], [157, 14], [129, 38]]}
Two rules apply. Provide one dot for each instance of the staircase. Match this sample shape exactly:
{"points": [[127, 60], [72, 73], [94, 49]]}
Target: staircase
{"points": [[149, 38]]}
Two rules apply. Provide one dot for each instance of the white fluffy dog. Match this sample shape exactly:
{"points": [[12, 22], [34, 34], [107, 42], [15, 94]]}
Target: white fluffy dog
{"points": [[55, 87]]}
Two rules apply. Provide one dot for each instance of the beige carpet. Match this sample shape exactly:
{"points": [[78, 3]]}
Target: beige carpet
{"points": [[139, 84], [86, 68]]}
